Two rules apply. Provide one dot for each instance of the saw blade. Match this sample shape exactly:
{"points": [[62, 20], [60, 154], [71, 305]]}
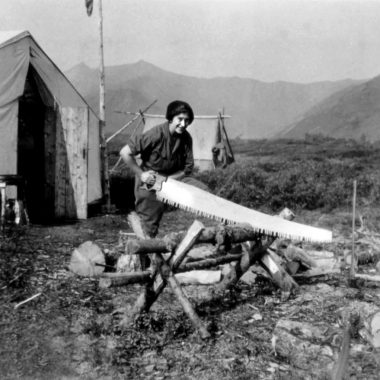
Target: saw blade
{"points": [[203, 203]]}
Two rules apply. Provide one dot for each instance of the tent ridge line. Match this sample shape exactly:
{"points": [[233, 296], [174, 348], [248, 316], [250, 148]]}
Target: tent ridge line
{"points": [[195, 117]]}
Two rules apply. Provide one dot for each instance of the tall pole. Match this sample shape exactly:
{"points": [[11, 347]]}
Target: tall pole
{"points": [[102, 118], [353, 256]]}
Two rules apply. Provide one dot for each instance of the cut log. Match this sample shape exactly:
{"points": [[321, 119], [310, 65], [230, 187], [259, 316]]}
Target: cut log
{"points": [[293, 253], [128, 263], [254, 253], [367, 277], [325, 264], [199, 277], [201, 252], [108, 280], [257, 250], [287, 214], [87, 260], [364, 258], [292, 267], [209, 263], [317, 272], [280, 277]]}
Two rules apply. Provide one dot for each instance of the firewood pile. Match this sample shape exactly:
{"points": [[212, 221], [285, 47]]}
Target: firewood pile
{"points": [[224, 255], [170, 263]]}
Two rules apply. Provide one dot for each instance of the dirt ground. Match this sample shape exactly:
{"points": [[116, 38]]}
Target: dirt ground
{"points": [[70, 329]]}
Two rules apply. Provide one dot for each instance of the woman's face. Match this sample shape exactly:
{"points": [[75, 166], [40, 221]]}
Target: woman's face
{"points": [[179, 123]]}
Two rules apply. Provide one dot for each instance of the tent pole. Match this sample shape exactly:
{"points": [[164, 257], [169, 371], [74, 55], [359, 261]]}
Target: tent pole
{"points": [[102, 118], [140, 113]]}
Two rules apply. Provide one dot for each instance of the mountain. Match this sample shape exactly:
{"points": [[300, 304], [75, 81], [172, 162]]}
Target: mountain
{"points": [[257, 109], [353, 112]]}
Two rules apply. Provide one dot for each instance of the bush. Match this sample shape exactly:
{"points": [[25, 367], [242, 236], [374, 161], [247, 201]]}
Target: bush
{"points": [[272, 174], [307, 183]]}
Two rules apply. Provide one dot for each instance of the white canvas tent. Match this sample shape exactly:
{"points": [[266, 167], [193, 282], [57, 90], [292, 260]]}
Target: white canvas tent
{"points": [[48, 133], [208, 134]]}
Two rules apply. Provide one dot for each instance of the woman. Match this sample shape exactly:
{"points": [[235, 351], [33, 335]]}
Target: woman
{"points": [[165, 149]]}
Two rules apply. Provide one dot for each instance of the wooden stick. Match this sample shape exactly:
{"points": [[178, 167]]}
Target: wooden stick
{"points": [[185, 303], [341, 363], [353, 258], [134, 222], [27, 300], [102, 117], [147, 298], [159, 282]]}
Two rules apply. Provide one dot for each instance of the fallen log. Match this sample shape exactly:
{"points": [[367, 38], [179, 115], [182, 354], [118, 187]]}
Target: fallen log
{"points": [[108, 280]]}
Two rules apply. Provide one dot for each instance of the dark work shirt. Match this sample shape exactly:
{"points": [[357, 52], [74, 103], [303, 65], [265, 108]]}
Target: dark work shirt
{"points": [[162, 152]]}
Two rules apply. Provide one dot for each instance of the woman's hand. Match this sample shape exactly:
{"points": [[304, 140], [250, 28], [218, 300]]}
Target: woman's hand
{"points": [[148, 177]]}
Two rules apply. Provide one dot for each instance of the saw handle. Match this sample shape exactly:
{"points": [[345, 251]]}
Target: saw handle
{"points": [[157, 185]]}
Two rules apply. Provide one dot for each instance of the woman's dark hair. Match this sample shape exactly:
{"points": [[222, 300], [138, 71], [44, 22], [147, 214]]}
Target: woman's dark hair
{"points": [[178, 106]]}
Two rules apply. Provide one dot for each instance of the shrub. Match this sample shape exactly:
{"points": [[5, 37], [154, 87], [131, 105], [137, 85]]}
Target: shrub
{"points": [[307, 183]]}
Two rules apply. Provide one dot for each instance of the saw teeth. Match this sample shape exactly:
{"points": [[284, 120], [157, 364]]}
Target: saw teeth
{"points": [[320, 235]]}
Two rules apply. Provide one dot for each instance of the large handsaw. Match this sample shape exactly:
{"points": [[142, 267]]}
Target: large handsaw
{"points": [[201, 202]]}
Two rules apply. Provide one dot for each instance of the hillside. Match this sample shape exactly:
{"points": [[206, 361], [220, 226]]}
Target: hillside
{"points": [[258, 109], [353, 112]]}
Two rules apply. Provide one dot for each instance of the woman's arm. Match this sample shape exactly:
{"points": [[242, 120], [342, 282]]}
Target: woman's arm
{"points": [[129, 159]]}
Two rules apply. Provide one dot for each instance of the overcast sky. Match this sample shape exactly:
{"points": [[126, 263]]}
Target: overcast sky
{"points": [[297, 41]]}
